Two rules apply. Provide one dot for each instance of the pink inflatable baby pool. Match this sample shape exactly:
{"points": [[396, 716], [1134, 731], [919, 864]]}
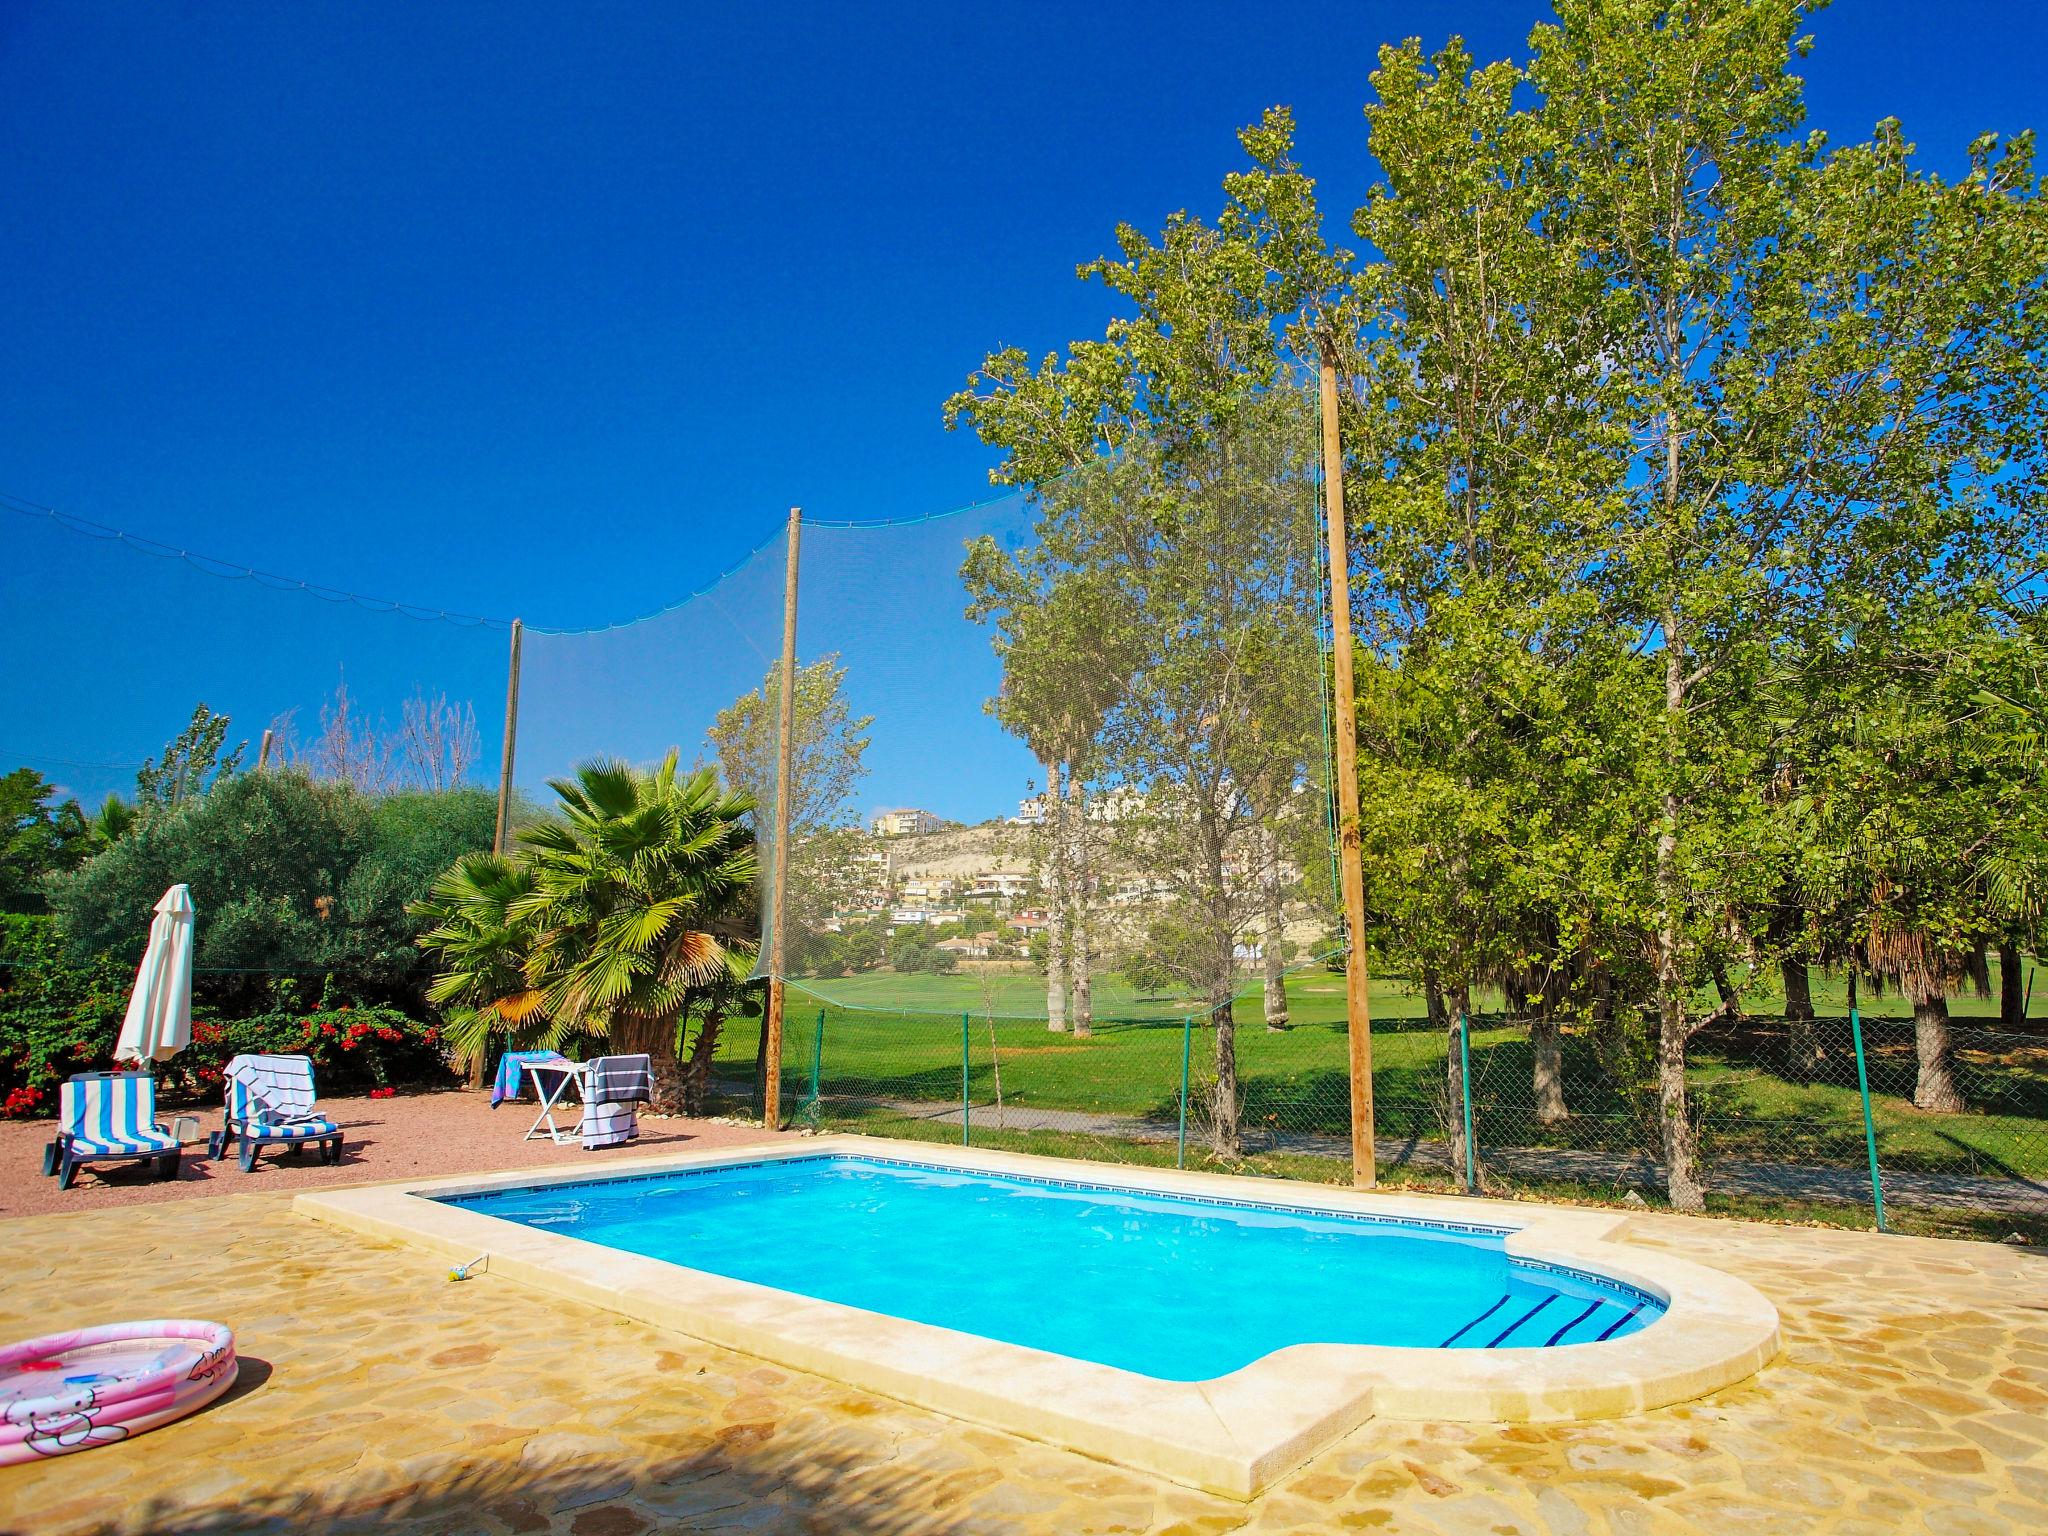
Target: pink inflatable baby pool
{"points": [[71, 1391]]}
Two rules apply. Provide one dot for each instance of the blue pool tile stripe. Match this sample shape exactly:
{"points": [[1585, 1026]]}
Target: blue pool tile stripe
{"points": [[1482, 1317], [1548, 1298], [1131, 1191], [1606, 1282], [1557, 1337], [1620, 1323]]}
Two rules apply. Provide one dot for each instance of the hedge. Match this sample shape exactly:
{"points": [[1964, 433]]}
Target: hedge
{"points": [[60, 1015]]}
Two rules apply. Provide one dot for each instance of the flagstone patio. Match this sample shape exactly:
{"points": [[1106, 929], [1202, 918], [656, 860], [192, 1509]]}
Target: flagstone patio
{"points": [[1912, 1395]]}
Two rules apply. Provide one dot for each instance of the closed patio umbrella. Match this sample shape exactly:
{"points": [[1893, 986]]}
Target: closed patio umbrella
{"points": [[159, 1022]]}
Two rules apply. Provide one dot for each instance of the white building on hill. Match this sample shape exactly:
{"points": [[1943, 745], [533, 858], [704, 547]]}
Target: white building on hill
{"points": [[905, 823]]}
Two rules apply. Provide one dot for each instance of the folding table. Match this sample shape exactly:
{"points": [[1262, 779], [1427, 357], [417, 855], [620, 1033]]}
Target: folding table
{"points": [[551, 1079]]}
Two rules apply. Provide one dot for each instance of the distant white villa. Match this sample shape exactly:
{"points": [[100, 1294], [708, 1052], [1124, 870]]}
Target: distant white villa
{"points": [[919, 917], [905, 823], [999, 885], [1114, 805]]}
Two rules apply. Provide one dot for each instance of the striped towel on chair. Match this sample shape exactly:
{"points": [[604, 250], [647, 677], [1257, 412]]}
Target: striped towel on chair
{"points": [[107, 1114], [274, 1095]]}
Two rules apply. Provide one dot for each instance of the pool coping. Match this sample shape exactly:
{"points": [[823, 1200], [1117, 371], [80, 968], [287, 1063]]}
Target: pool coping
{"points": [[1233, 1435]]}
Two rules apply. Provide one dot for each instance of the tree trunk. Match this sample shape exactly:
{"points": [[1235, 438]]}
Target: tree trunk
{"points": [[1731, 1000], [1674, 1112], [1546, 1050], [1225, 1132], [1935, 1088], [1681, 1151], [657, 1038], [1450, 1014], [2012, 987], [1275, 932], [697, 1069], [1433, 998], [1805, 1044], [1077, 908], [1056, 906]]}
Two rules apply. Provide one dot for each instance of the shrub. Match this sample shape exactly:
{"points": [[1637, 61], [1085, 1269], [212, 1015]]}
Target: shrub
{"points": [[352, 1049], [293, 877], [58, 1015]]}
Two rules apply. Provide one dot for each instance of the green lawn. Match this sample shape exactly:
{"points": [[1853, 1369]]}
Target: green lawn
{"points": [[898, 1040], [1315, 995]]}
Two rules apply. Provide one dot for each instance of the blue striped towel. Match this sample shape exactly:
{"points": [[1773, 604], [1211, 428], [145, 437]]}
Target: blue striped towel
{"points": [[506, 1084]]}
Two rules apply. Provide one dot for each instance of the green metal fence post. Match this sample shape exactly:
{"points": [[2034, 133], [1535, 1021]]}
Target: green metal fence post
{"points": [[1187, 1042], [1465, 1091], [965, 1039], [817, 1063], [1863, 1087]]}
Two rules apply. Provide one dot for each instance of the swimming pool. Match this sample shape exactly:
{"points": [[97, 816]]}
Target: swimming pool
{"points": [[1171, 1287], [1211, 1329]]}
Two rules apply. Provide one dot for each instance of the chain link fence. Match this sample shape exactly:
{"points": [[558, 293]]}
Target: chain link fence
{"points": [[1784, 1124]]}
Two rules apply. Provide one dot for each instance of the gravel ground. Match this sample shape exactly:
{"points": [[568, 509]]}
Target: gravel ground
{"points": [[426, 1133]]}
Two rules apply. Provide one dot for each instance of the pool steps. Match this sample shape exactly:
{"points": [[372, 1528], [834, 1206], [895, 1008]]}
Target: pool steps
{"points": [[1599, 1320]]}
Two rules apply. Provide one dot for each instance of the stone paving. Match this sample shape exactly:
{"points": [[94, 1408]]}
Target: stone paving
{"points": [[1912, 1396]]}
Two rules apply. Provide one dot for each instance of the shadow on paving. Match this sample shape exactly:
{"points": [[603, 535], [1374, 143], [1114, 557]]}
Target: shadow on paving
{"points": [[744, 1480]]}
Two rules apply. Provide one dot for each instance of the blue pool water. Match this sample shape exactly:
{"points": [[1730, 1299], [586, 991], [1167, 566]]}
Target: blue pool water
{"points": [[1176, 1288]]}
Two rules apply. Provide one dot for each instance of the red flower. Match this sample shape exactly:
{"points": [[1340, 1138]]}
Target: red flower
{"points": [[383, 1093], [21, 1101]]}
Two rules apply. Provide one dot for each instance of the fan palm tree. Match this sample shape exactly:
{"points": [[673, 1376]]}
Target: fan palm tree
{"points": [[637, 907], [483, 987]]}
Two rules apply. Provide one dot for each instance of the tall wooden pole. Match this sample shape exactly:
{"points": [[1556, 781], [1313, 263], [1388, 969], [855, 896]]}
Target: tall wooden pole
{"points": [[511, 743], [1351, 870], [778, 902], [479, 1069], [263, 752]]}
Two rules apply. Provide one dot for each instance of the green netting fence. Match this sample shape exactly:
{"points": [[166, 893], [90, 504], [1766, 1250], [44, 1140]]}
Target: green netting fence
{"points": [[1779, 1109]]}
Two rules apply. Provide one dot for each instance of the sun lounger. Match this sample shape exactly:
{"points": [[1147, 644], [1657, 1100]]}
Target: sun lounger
{"points": [[272, 1102], [109, 1117]]}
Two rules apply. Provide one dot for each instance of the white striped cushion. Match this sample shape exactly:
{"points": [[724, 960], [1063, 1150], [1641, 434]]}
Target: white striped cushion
{"points": [[297, 1130]]}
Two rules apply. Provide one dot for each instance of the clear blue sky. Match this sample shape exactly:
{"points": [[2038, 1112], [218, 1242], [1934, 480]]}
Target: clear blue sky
{"points": [[555, 309]]}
